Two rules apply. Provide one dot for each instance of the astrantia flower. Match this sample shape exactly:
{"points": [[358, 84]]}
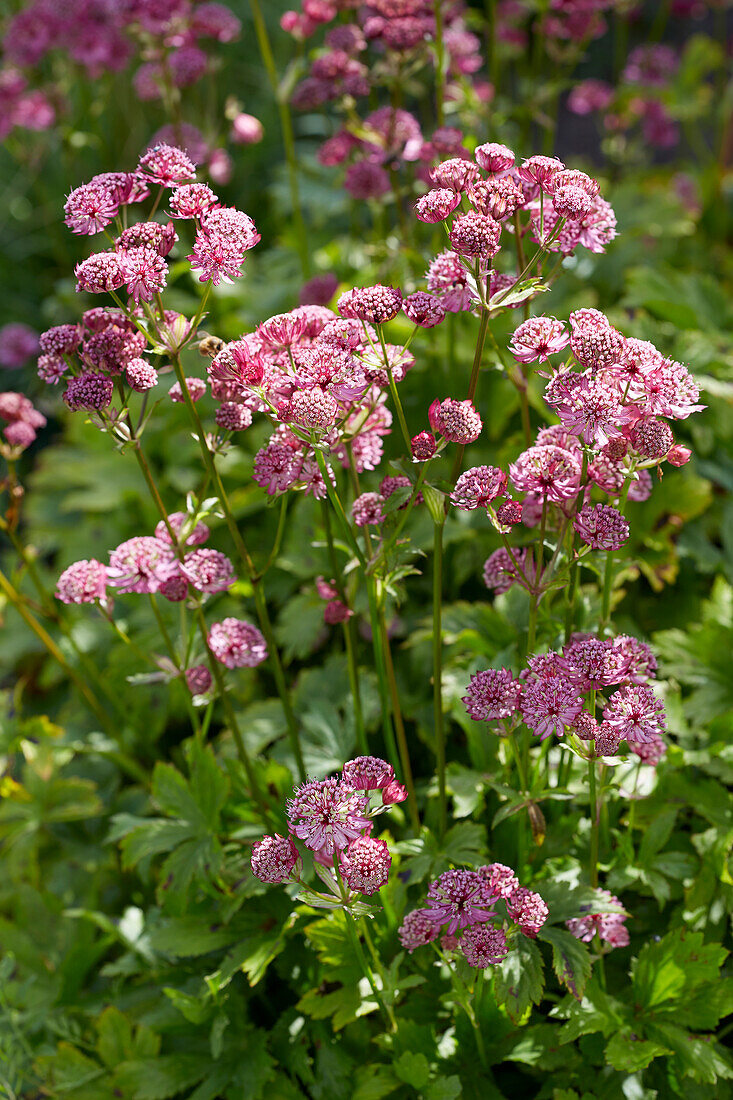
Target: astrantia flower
{"points": [[641, 662], [144, 271], [196, 388], [88, 391], [89, 209], [549, 705], [597, 347], [365, 864], [180, 522], [538, 338], [233, 417], [237, 644], [274, 858], [548, 471], [457, 421], [367, 510], [651, 438], [494, 158], [422, 446], [425, 310], [368, 773], [198, 679], [539, 170], [477, 487], [635, 713], [492, 694], [483, 945], [500, 879], [166, 165], [607, 740], [192, 200], [99, 273], [60, 340], [83, 582], [601, 527], [417, 930], [376, 304], [51, 369], [447, 278], [528, 910], [455, 173], [500, 572], [141, 564], [649, 752], [610, 927], [593, 663], [160, 238], [476, 235], [459, 898], [497, 198], [437, 205], [327, 815], [141, 375], [573, 194], [315, 409], [208, 570]]}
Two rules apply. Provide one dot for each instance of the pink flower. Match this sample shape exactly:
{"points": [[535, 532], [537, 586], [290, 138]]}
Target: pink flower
{"points": [[166, 165], [477, 487], [196, 388], [367, 773], [88, 391], [274, 859], [233, 417], [376, 304], [327, 815], [192, 200], [59, 340], [447, 279], [459, 899], [417, 930], [422, 446], [483, 945], [141, 564], [610, 927], [208, 571], [367, 510], [528, 910], [492, 694], [499, 570], [540, 170], [651, 438], [315, 409], [635, 713], [494, 158], [425, 310], [365, 864], [549, 705], [83, 582], [90, 208], [549, 471], [454, 174], [99, 273], [237, 644], [141, 375], [501, 880], [437, 205], [198, 679], [145, 272], [456, 421], [182, 524], [601, 527], [475, 234], [538, 338]]}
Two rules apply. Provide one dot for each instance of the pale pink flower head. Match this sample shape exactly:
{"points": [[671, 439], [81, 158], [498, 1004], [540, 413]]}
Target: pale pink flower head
{"points": [[141, 375], [610, 927], [494, 158], [483, 945], [152, 235], [497, 198], [500, 879], [528, 910], [182, 524], [573, 194], [651, 438], [425, 310], [166, 165], [635, 713], [196, 388], [19, 434], [246, 129], [99, 274], [315, 409], [237, 644], [475, 235], [83, 582], [549, 705], [365, 864], [492, 694], [198, 679], [477, 487], [283, 330], [90, 208], [88, 391], [145, 272], [459, 899], [649, 752], [208, 570], [437, 205], [327, 815], [274, 858], [456, 421], [678, 455], [366, 511], [548, 471], [538, 338], [141, 564], [192, 200], [593, 664], [18, 342], [597, 347], [417, 930], [233, 417], [539, 170], [447, 278], [375, 304], [601, 527], [499, 571], [454, 174], [641, 662], [368, 773]]}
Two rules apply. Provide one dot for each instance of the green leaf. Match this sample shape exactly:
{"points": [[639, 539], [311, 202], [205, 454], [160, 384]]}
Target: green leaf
{"points": [[656, 835], [435, 501], [444, 1088], [626, 1051], [519, 979], [679, 962], [186, 937], [412, 1068], [374, 1082], [162, 1077], [570, 959]]}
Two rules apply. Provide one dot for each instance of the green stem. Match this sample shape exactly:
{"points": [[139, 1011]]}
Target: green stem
{"points": [[439, 63], [438, 674], [477, 356], [594, 821], [399, 724], [534, 603], [286, 126], [393, 390], [359, 950], [278, 538]]}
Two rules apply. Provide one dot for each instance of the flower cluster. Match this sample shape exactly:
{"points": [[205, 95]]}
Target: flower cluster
{"points": [[334, 818], [560, 692], [476, 912], [610, 927], [22, 421]]}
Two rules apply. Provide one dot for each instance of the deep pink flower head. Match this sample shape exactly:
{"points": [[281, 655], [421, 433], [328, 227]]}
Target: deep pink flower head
{"points": [[641, 662], [610, 927], [651, 438], [437, 205], [500, 879], [476, 235], [141, 375], [88, 391], [145, 272], [99, 273], [483, 945], [371, 303], [477, 487], [315, 409], [154, 235], [83, 582], [237, 644], [492, 694], [166, 165], [499, 570], [539, 170], [283, 330], [601, 527], [509, 512], [274, 859], [459, 899], [417, 930], [456, 421], [90, 208], [549, 705], [192, 200], [454, 174], [573, 194], [538, 338], [494, 158], [198, 679], [327, 815], [365, 864], [208, 570], [548, 471], [635, 713], [367, 773], [528, 910], [141, 564], [423, 446], [425, 310], [367, 510], [497, 198], [18, 342], [181, 523]]}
